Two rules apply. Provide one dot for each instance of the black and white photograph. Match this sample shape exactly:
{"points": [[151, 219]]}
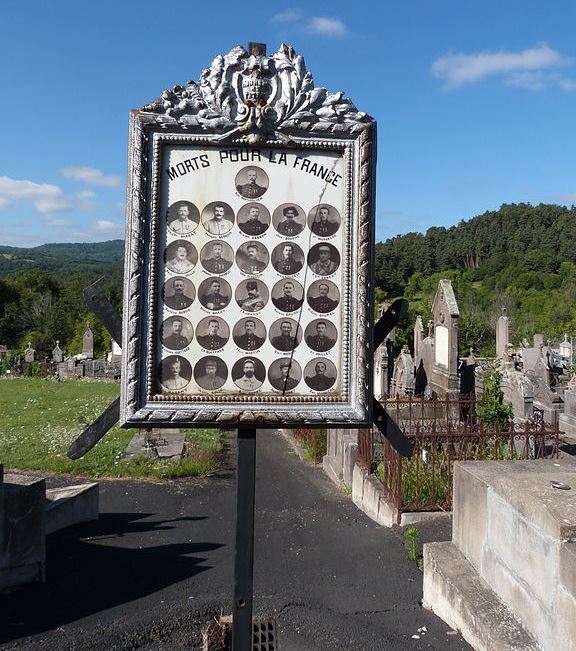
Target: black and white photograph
{"points": [[178, 293], [253, 219], [210, 373], [214, 293], [323, 296], [212, 333], [218, 218], [248, 373], [289, 219], [252, 295], [252, 257], [251, 182], [285, 334], [320, 374], [182, 217], [175, 372], [287, 295], [180, 256], [284, 374], [323, 259], [216, 257], [324, 220], [287, 258], [177, 332], [249, 333], [320, 335]]}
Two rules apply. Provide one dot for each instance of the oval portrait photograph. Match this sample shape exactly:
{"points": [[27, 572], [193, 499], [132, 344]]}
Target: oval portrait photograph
{"points": [[284, 374], [249, 333], [182, 217], [178, 293], [323, 296], [251, 182], [320, 374], [216, 257], [180, 256], [210, 373], [251, 295], [289, 219], [214, 293], [212, 333], [323, 259], [218, 218], [248, 373], [285, 334], [287, 295], [175, 372], [177, 332], [287, 258], [324, 220], [252, 257], [253, 219]]}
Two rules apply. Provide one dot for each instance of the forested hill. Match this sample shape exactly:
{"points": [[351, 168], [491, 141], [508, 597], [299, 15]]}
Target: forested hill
{"points": [[487, 239], [62, 259]]}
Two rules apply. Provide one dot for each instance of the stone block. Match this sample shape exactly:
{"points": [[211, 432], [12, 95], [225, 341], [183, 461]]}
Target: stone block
{"points": [[567, 567], [565, 622], [70, 505]]}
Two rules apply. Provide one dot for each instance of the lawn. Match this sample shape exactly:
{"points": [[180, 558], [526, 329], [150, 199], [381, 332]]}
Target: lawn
{"points": [[40, 418]]}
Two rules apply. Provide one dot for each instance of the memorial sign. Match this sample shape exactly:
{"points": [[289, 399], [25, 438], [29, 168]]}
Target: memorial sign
{"points": [[248, 286]]}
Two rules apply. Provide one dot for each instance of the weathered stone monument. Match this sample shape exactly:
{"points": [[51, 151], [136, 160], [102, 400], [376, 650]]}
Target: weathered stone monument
{"points": [[502, 334], [444, 377], [57, 355], [568, 418], [88, 343], [403, 378], [29, 353]]}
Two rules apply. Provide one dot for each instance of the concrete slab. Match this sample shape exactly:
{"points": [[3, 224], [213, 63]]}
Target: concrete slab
{"points": [[70, 505], [169, 445]]}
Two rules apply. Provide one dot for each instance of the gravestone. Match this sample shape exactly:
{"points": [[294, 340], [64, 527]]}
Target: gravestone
{"points": [[566, 349], [538, 340], [502, 335], [29, 353], [444, 377], [518, 391], [418, 339], [57, 355], [88, 343], [403, 378], [381, 372], [568, 418]]}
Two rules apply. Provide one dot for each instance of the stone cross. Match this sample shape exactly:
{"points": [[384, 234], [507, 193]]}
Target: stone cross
{"points": [[502, 334]]}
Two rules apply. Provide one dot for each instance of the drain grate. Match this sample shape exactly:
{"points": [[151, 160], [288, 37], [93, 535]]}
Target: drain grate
{"points": [[264, 635]]}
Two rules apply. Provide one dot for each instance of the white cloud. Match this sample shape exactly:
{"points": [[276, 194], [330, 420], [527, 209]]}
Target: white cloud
{"points": [[531, 68], [327, 26], [84, 199], [5, 203], [91, 176], [103, 225], [288, 16], [45, 197], [51, 221]]}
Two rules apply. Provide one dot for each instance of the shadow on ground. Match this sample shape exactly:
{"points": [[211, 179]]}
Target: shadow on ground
{"points": [[90, 570]]}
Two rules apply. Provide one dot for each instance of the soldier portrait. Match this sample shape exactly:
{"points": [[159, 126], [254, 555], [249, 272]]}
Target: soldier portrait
{"points": [[285, 334], [287, 258], [320, 374], [253, 219], [180, 257], [287, 295], [175, 372], [216, 257], [323, 296], [214, 293], [249, 333], [179, 293], [177, 332], [324, 220], [210, 373], [251, 295], [323, 259], [248, 373], [320, 335], [251, 182], [289, 219], [218, 218], [284, 374], [252, 257], [212, 333], [182, 217]]}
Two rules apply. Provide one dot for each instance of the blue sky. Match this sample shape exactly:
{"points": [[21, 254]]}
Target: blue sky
{"points": [[475, 101]]}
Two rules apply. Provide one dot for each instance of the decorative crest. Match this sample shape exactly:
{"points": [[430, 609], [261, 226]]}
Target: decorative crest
{"points": [[250, 97]]}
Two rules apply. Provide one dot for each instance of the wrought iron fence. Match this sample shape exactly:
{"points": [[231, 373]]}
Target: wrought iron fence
{"points": [[424, 482]]}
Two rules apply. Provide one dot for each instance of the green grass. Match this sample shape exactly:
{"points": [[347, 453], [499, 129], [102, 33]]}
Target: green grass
{"points": [[40, 418]]}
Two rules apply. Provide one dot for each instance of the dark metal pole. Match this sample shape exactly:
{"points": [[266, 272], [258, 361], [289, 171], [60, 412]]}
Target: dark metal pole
{"points": [[244, 554]]}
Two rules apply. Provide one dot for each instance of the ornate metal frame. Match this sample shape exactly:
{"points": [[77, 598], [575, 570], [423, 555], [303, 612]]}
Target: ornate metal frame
{"points": [[250, 99]]}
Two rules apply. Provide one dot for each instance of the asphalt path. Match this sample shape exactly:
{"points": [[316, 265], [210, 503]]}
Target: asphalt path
{"points": [[158, 565]]}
